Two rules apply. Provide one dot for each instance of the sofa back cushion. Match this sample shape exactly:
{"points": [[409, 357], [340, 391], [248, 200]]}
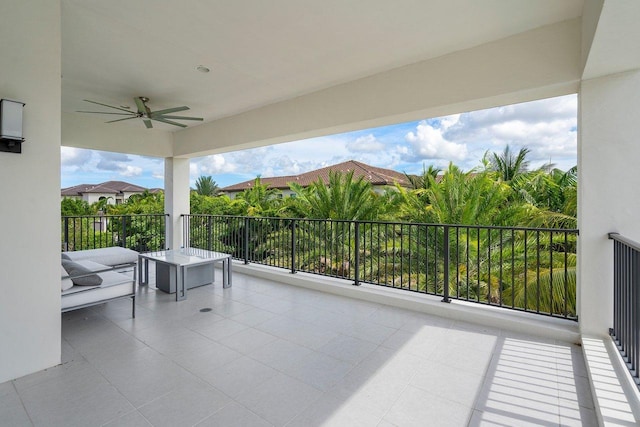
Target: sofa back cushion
{"points": [[106, 256], [66, 282], [85, 279]]}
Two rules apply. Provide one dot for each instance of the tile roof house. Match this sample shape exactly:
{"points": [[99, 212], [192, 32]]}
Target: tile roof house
{"points": [[115, 192], [378, 177]]}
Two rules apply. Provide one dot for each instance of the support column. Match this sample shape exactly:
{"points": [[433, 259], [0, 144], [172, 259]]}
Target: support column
{"points": [[30, 188], [176, 198], [609, 183]]}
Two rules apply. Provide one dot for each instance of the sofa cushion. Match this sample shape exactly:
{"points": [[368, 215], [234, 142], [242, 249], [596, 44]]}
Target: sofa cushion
{"points": [[86, 279], [106, 256], [66, 282]]}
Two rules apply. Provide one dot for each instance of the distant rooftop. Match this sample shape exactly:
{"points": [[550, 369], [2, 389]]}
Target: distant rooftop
{"points": [[111, 187], [372, 174]]}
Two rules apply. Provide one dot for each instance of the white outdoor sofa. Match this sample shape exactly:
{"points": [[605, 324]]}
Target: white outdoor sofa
{"points": [[98, 276]]}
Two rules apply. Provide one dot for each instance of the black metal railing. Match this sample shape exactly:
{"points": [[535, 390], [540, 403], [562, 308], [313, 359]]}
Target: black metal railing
{"points": [[626, 301], [527, 269], [143, 232]]}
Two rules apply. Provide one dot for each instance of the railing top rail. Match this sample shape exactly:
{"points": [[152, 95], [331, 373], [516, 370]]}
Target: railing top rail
{"points": [[111, 216], [631, 243], [473, 226]]}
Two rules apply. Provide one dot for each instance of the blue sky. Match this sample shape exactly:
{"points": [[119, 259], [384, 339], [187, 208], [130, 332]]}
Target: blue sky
{"points": [[546, 127]]}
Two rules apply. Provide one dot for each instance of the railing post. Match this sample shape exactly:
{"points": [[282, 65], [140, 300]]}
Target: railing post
{"points": [[445, 254], [167, 218], [293, 246], [124, 231], [66, 233], [245, 239], [356, 256], [186, 228], [209, 232]]}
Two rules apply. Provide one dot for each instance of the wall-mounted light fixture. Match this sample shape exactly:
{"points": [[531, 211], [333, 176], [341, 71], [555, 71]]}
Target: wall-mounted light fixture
{"points": [[11, 126]]}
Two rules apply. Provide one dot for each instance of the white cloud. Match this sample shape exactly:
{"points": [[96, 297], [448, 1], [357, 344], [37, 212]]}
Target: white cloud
{"points": [[129, 171], [428, 142], [108, 164], [365, 144], [546, 127], [211, 165], [74, 157]]}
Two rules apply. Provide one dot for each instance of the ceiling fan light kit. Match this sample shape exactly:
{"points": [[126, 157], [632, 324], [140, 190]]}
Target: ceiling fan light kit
{"points": [[144, 112]]}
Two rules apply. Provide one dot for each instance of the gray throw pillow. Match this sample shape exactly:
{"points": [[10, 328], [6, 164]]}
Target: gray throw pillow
{"points": [[75, 269]]}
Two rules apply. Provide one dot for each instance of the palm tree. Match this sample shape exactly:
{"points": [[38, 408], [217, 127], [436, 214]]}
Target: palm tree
{"points": [[422, 181], [259, 200], [554, 195], [508, 164], [343, 198], [206, 186]]}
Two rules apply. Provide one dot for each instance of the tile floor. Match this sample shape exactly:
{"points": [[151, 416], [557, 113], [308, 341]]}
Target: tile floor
{"points": [[269, 354]]}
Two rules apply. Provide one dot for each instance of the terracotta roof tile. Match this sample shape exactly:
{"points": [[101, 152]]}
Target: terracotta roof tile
{"points": [[373, 174], [113, 187]]}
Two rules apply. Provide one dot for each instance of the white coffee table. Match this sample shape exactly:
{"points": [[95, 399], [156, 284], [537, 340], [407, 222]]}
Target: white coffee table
{"points": [[179, 261]]}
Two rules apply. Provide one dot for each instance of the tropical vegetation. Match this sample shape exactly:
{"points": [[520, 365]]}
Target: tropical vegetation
{"points": [[493, 234]]}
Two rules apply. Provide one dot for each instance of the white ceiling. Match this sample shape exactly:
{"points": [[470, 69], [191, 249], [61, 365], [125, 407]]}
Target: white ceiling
{"points": [[261, 52]]}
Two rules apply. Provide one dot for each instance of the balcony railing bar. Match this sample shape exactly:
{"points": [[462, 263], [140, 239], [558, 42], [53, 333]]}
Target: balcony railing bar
{"points": [[450, 261], [141, 232], [626, 301]]}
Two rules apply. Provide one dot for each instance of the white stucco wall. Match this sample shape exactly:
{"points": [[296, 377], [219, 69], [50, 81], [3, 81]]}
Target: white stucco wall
{"points": [[608, 159], [176, 198], [30, 186], [537, 64], [81, 131], [92, 198]]}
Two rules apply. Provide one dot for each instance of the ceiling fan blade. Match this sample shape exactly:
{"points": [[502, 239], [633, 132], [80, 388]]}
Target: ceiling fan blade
{"points": [[178, 117], [131, 113], [119, 120], [110, 106], [142, 107], [169, 122], [147, 123], [169, 110]]}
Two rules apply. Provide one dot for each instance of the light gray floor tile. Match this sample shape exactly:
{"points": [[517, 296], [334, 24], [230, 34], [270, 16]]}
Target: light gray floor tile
{"points": [[281, 354], [369, 331], [234, 415], [253, 316], [185, 405], [146, 376], [416, 407], [247, 340], [577, 416], [90, 402], [303, 333], [448, 382], [279, 399], [206, 358], [132, 419], [320, 371], [221, 329], [348, 349], [238, 375], [329, 411], [12, 412], [297, 356]]}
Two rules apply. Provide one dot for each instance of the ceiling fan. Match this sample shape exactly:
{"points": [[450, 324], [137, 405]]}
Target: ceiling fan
{"points": [[145, 113]]}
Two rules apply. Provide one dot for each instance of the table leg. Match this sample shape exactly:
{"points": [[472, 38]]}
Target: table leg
{"points": [[143, 264], [226, 273], [181, 283]]}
